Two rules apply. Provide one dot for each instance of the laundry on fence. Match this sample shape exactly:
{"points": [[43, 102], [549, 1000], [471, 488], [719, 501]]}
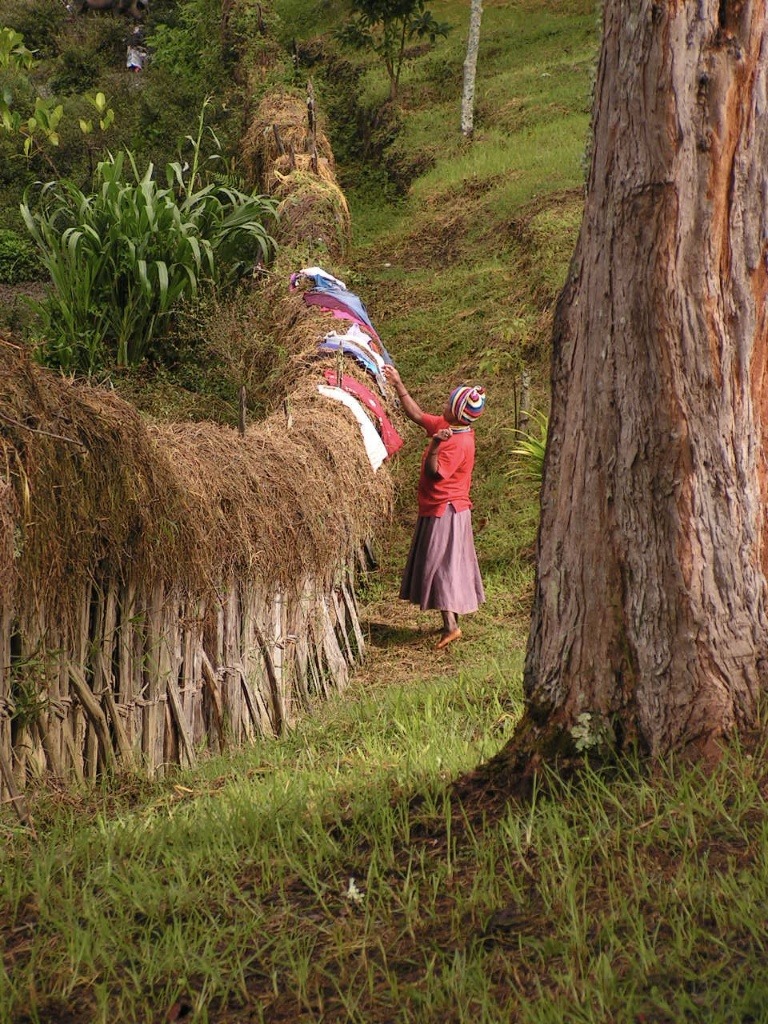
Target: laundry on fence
{"points": [[358, 337], [361, 355], [374, 445], [329, 293], [392, 440], [316, 277]]}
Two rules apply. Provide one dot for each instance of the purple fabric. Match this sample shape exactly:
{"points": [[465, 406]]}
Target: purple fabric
{"points": [[344, 305], [442, 570]]}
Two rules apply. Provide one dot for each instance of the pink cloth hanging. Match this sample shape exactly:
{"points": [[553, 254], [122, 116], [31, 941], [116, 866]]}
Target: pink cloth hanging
{"points": [[392, 440]]}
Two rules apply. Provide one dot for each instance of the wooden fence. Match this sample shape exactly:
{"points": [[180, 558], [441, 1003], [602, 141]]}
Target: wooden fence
{"points": [[146, 679], [141, 676]]}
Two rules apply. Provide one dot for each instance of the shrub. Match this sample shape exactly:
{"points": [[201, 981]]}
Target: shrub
{"points": [[89, 48], [39, 23], [122, 257], [19, 260], [192, 51]]}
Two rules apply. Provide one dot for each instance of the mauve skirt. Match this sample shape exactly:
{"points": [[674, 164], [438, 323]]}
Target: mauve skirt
{"points": [[442, 570]]}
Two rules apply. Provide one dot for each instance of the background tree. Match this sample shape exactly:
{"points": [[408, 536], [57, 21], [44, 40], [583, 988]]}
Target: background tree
{"points": [[470, 69], [649, 619], [386, 27]]}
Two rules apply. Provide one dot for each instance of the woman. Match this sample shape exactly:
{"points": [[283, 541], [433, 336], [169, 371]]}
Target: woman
{"points": [[442, 570]]}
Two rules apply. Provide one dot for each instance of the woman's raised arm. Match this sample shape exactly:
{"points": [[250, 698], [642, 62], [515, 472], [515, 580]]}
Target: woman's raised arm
{"points": [[411, 408]]}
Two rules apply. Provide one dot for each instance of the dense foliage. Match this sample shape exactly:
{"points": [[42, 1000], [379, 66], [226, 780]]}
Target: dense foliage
{"points": [[19, 260], [54, 58], [121, 257]]}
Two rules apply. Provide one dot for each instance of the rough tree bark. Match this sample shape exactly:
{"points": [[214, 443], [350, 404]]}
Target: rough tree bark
{"points": [[649, 620], [470, 69]]}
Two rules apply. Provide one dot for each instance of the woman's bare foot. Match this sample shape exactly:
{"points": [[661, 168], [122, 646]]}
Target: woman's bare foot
{"points": [[448, 638]]}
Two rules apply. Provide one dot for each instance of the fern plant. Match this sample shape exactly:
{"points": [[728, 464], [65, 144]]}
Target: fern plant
{"points": [[530, 449]]}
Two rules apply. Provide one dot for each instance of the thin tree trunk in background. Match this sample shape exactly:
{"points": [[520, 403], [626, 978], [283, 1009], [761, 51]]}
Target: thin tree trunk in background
{"points": [[470, 69], [649, 618]]}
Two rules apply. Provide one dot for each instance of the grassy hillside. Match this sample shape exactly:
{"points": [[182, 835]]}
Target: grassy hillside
{"points": [[335, 874], [226, 895], [461, 273]]}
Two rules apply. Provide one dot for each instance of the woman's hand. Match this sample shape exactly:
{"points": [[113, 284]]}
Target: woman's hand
{"points": [[443, 434], [392, 375]]}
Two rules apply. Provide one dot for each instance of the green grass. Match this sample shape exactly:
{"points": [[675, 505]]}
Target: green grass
{"points": [[192, 893], [330, 875]]}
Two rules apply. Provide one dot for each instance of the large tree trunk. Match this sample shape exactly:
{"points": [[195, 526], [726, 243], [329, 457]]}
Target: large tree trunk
{"points": [[649, 620]]}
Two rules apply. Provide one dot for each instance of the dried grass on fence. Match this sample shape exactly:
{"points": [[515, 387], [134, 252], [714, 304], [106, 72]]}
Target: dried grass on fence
{"points": [[285, 500], [313, 209], [280, 116], [192, 504], [90, 485]]}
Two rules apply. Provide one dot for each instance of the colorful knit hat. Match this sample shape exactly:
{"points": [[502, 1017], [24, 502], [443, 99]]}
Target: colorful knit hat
{"points": [[467, 403]]}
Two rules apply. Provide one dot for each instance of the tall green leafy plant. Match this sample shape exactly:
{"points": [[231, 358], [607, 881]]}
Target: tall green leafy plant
{"points": [[122, 257]]}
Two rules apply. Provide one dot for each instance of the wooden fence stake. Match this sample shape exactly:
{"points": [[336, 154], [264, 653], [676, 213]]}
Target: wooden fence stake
{"points": [[17, 799], [97, 718]]}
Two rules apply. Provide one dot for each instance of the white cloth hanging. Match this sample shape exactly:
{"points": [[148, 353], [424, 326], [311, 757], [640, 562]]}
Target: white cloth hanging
{"points": [[357, 336], [374, 446]]}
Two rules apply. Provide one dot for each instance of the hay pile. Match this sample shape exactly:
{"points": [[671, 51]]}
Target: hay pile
{"points": [[279, 131], [283, 501], [90, 488], [288, 155], [313, 211], [193, 505]]}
